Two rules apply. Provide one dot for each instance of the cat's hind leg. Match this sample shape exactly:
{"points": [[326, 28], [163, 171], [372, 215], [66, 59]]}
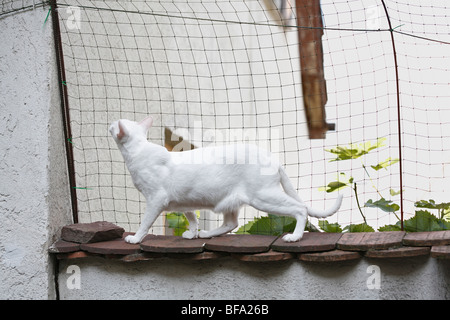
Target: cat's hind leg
{"points": [[298, 231], [192, 233], [277, 202], [230, 221]]}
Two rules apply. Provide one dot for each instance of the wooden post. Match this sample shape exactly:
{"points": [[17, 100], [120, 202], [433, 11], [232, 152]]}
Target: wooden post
{"points": [[310, 31]]}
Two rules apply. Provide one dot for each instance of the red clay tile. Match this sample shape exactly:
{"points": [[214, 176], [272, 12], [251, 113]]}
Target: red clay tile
{"points": [[172, 244], [91, 232], [329, 256], [363, 241], [311, 242], [432, 238], [240, 243]]}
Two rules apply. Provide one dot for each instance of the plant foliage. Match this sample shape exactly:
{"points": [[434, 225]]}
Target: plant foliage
{"points": [[354, 151], [385, 205], [330, 227], [385, 164], [178, 222]]}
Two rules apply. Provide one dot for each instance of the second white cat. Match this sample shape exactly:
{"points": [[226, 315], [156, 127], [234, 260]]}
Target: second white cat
{"points": [[220, 178]]}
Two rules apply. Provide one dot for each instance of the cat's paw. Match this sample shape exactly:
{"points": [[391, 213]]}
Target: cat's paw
{"points": [[203, 234], [188, 234], [291, 238], [132, 239]]}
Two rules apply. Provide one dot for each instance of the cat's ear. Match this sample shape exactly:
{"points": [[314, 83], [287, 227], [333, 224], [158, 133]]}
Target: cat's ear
{"points": [[122, 131], [147, 123]]}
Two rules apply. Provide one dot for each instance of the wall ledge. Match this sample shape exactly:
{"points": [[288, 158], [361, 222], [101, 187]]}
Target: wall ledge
{"points": [[314, 247]]}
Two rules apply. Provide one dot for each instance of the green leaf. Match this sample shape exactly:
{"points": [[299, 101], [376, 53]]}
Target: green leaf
{"points": [[362, 227], [444, 224], [446, 217], [423, 220], [385, 205], [385, 164], [444, 207], [310, 227], [334, 186], [354, 151], [390, 227], [264, 226], [342, 182], [178, 222], [394, 193], [272, 225], [329, 227], [431, 204], [245, 228]]}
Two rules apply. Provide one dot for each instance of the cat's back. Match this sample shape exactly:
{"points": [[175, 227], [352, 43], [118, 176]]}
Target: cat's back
{"points": [[149, 154], [228, 154]]}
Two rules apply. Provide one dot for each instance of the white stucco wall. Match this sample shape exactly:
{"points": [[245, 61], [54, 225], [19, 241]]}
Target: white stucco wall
{"points": [[227, 279], [34, 191]]}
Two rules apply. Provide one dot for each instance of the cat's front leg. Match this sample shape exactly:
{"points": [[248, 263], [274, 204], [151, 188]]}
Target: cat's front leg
{"points": [[151, 213], [138, 236], [133, 239]]}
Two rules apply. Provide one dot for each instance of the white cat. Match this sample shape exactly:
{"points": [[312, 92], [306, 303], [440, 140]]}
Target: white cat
{"points": [[221, 179]]}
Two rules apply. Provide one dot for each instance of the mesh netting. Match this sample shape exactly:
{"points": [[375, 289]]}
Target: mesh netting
{"points": [[218, 72]]}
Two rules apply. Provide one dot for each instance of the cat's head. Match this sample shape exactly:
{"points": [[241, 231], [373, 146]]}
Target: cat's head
{"points": [[125, 130]]}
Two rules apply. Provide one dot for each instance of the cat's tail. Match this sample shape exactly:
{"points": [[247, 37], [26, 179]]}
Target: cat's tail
{"points": [[290, 191], [328, 212], [287, 185]]}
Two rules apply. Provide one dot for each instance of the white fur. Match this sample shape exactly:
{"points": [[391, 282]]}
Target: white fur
{"points": [[220, 178]]}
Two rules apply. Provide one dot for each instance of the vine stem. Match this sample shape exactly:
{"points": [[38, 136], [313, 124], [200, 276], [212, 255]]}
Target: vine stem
{"points": [[357, 202], [371, 180]]}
